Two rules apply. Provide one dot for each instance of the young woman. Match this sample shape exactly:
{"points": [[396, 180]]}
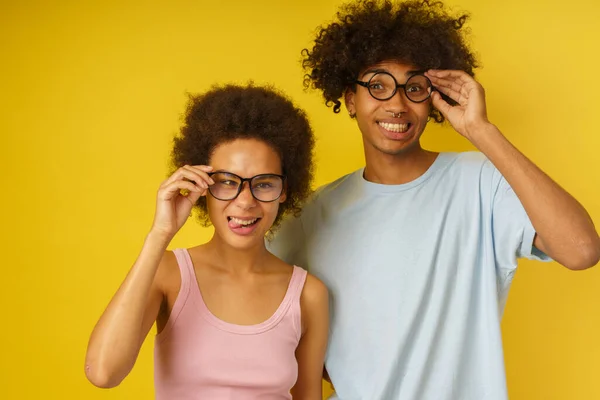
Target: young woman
{"points": [[233, 321]]}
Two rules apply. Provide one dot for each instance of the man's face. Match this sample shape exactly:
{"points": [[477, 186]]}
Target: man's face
{"points": [[392, 126]]}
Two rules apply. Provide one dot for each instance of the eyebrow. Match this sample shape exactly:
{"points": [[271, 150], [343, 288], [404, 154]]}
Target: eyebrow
{"points": [[378, 70], [373, 71], [223, 171]]}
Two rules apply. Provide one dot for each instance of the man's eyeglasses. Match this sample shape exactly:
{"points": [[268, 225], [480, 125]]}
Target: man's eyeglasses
{"points": [[264, 187], [383, 86]]}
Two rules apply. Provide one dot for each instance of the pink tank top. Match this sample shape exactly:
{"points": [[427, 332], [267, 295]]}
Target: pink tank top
{"points": [[198, 356]]}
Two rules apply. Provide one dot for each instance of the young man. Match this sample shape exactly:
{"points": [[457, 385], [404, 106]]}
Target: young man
{"points": [[418, 248]]}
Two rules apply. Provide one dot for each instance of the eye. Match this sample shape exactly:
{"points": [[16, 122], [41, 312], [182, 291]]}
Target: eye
{"points": [[376, 86], [264, 185], [227, 182], [414, 88]]}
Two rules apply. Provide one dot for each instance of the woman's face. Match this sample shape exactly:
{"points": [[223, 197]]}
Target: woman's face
{"points": [[243, 222]]}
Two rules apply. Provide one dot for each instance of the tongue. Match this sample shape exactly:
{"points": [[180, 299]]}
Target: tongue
{"points": [[234, 225]]}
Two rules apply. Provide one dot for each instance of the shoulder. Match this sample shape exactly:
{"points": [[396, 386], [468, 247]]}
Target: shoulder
{"points": [[466, 159], [168, 276], [314, 304], [470, 166], [168, 263], [329, 194], [476, 162], [315, 293], [311, 208], [333, 188]]}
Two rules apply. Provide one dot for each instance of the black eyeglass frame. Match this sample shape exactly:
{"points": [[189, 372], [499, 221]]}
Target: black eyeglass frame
{"points": [[367, 85], [249, 180]]}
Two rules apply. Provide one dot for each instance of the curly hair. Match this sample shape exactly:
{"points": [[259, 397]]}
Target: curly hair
{"points": [[367, 32], [230, 112]]}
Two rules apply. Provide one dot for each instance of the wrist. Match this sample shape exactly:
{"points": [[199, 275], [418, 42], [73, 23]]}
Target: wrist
{"points": [[157, 237], [482, 132]]}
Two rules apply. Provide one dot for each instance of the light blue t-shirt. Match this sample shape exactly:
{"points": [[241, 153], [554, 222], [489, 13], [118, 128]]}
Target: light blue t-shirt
{"points": [[418, 275]]}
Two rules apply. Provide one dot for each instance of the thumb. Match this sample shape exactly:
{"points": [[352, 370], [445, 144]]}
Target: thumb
{"points": [[194, 196], [440, 104]]}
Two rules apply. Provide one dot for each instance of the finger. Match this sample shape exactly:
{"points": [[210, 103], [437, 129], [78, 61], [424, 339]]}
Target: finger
{"points": [[177, 175], [468, 84], [188, 173], [205, 168], [174, 189], [203, 171], [194, 196], [460, 76], [440, 104], [454, 95], [450, 84], [180, 173]]}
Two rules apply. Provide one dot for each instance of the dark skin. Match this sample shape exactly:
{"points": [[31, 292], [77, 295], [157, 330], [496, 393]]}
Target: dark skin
{"points": [[240, 281], [564, 229]]}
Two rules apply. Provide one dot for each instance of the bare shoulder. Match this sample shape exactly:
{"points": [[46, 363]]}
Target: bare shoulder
{"points": [[314, 305], [168, 277], [314, 293]]}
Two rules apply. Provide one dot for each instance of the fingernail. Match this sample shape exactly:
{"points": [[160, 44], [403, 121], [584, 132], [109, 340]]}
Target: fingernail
{"points": [[211, 182]]}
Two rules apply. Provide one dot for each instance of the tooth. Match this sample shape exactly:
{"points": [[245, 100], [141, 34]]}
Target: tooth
{"points": [[394, 127], [243, 222]]}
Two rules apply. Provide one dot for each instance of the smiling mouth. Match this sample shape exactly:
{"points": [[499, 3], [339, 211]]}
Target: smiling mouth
{"points": [[396, 128], [242, 223]]}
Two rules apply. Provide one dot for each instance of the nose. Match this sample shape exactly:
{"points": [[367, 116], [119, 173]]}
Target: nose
{"points": [[398, 102], [245, 199]]}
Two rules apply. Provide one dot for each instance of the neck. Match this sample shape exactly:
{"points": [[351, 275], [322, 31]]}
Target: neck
{"points": [[236, 260], [396, 169]]}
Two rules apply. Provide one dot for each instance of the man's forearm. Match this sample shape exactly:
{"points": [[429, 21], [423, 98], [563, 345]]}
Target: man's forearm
{"points": [[565, 230]]}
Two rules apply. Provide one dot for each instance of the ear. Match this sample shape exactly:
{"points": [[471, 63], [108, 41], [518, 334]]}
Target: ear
{"points": [[283, 196], [349, 101]]}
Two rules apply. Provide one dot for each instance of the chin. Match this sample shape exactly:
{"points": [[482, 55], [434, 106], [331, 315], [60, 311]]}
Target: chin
{"points": [[397, 148], [246, 243]]}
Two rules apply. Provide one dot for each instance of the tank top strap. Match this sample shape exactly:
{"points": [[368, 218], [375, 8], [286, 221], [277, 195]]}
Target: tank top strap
{"points": [[297, 283], [295, 292], [186, 269]]}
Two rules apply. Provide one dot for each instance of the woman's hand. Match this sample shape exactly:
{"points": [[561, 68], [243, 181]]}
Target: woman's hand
{"points": [[176, 197]]}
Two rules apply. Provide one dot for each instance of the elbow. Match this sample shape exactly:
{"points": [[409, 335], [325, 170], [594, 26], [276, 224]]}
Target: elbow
{"points": [[101, 377], [586, 257], [104, 368]]}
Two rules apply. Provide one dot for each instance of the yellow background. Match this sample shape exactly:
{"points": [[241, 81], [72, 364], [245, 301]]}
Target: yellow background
{"points": [[92, 93]]}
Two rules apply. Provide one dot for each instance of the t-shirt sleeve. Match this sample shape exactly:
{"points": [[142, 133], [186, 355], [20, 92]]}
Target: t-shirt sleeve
{"points": [[513, 233], [288, 242]]}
